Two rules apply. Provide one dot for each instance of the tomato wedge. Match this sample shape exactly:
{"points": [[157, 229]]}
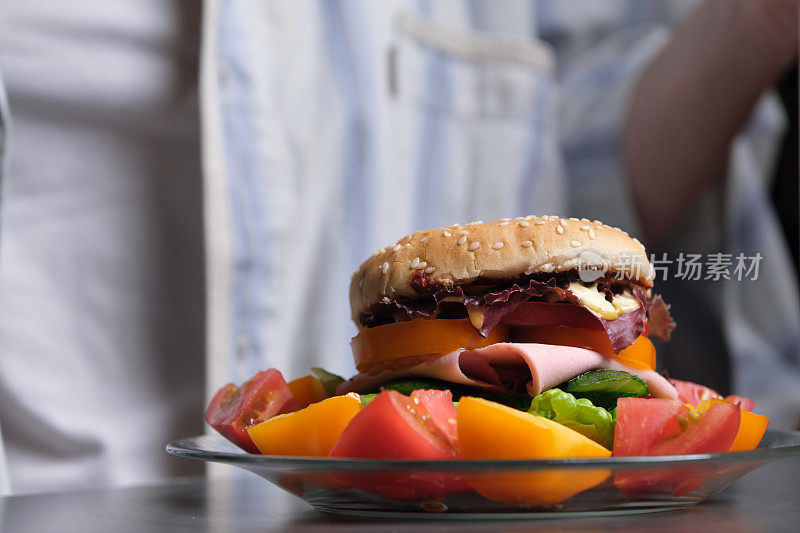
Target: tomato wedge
{"points": [[658, 426], [640, 354], [642, 425], [751, 427], [647, 426], [389, 427], [692, 393], [234, 409], [393, 426], [745, 403], [435, 409], [380, 345]]}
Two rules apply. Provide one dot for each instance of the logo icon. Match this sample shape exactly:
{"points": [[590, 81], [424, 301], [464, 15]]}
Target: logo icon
{"points": [[591, 266]]}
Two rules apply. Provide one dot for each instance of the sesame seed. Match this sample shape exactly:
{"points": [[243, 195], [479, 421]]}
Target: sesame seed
{"points": [[496, 245], [408, 244], [574, 219], [385, 300], [456, 225], [591, 233], [560, 229], [541, 222], [505, 219], [519, 218], [524, 223], [462, 240], [505, 223], [430, 270], [563, 222], [584, 220], [526, 244], [415, 262], [397, 248], [384, 267], [422, 264], [530, 217], [575, 244], [584, 227], [553, 217], [361, 283], [474, 246], [475, 222], [425, 238], [446, 233]]}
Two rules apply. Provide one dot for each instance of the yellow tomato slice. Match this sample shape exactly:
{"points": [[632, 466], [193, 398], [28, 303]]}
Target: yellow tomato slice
{"points": [[488, 430], [307, 390], [309, 432], [383, 344], [640, 354], [752, 427]]}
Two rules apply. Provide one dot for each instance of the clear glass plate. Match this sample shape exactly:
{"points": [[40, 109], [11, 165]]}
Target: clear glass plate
{"points": [[498, 488]]}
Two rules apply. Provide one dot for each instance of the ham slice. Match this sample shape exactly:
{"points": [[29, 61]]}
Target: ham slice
{"points": [[504, 366]]}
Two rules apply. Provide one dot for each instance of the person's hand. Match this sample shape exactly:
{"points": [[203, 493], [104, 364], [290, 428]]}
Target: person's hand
{"points": [[776, 17], [694, 98]]}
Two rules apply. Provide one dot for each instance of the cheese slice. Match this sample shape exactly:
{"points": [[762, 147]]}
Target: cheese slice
{"points": [[595, 301]]}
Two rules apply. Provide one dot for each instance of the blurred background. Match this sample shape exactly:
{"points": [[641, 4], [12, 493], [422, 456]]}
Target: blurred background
{"points": [[187, 187]]}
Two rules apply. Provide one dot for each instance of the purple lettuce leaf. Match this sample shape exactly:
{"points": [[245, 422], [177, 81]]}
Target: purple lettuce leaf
{"points": [[500, 305]]}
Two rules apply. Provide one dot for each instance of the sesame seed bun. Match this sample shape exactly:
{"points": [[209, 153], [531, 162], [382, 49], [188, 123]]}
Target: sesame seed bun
{"points": [[494, 251]]}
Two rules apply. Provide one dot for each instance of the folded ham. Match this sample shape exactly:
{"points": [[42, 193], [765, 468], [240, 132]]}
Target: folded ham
{"points": [[504, 366]]}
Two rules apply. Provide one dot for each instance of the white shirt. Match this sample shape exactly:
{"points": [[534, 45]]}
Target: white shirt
{"points": [[329, 129]]}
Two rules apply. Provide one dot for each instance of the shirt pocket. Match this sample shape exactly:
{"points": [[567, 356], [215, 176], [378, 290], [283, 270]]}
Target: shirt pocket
{"points": [[475, 122]]}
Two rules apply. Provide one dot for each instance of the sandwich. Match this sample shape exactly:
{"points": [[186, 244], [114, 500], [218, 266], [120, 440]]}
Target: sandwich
{"points": [[523, 338], [495, 307]]}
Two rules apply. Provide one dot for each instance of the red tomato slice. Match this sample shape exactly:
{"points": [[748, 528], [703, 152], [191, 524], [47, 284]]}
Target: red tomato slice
{"points": [[713, 432], [647, 426], [746, 404], [234, 409], [642, 425], [436, 410], [389, 427], [393, 426], [692, 393]]}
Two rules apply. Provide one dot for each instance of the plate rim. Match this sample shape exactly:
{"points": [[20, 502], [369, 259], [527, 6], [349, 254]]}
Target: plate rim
{"points": [[189, 447]]}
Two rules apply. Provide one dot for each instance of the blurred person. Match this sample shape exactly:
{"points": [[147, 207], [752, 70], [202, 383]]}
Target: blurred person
{"points": [[315, 118], [101, 242]]}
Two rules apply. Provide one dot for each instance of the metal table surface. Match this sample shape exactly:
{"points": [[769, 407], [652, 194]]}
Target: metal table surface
{"points": [[767, 499]]}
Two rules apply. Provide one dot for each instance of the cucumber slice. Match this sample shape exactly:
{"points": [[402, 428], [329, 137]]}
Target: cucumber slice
{"points": [[604, 387], [407, 386]]}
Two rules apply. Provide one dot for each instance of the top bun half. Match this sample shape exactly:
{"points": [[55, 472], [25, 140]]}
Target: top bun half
{"points": [[496, 251]]}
